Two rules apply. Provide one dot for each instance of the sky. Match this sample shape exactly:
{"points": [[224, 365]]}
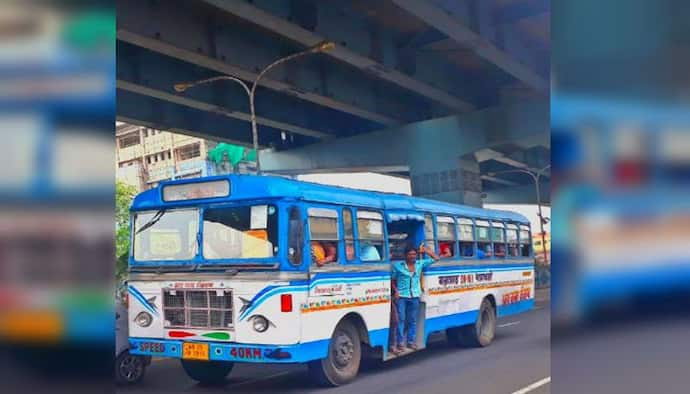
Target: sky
{"points": [[392, 184]]}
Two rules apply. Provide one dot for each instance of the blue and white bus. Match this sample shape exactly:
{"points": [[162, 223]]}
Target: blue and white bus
{"points": [[223, 270]]}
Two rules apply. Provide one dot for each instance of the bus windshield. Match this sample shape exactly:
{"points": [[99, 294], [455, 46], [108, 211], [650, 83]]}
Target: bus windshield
{"points": [[240, 232], [166, 235]]}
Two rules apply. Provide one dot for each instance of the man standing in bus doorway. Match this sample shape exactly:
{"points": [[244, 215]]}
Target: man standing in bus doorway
{"points": [[407, 292]]}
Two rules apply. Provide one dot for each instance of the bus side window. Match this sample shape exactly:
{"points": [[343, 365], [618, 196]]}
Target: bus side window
{"points": [[429, 238], [323, 235], [295, 236], [349, 234], [445, 227], [512, 238], [483, 240], [498, 238], [370, 236], [466, 244], [525, 242]]}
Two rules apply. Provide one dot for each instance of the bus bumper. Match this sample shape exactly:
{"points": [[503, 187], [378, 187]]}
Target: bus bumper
{"points": [[234, 352]]}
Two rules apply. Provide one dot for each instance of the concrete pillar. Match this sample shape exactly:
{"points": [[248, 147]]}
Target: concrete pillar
{"points": [[455, 180]]}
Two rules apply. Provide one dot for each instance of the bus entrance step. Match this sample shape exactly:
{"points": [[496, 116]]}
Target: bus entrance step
{"points": [[405, 352]]}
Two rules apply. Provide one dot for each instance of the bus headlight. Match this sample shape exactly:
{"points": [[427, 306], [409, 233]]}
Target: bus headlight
{"points": [[260, 323], [143, 319]]}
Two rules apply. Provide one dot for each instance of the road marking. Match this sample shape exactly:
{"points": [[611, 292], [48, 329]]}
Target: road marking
{"points": [[508, 324], [533, 386], [275, 375]]}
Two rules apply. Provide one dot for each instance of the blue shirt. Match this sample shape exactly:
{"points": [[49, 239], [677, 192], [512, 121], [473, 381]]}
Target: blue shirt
{"points": [[408, 282], [369, 253]]}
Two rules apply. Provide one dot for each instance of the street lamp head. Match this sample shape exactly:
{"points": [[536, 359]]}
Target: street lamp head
{"points": [[181, 87], [323, 46]]}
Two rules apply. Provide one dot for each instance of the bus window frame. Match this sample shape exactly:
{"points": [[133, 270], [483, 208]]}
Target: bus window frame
{"points": [[516, 228], [340, 259], [433, 230], [454, 242], [384, 253], [355, 241], [286, 265], [476, 237], [527, 227], [501, 226], [475, 255]]}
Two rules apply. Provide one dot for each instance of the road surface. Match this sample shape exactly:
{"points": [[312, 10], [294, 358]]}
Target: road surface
{"points": [[517, 362]]}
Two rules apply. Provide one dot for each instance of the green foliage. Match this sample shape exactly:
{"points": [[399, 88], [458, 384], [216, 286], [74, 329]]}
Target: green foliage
{"points": [[124, 194]]}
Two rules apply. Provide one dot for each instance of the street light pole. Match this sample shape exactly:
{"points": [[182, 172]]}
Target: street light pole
{"points": [[535, 176], [251, 91]]}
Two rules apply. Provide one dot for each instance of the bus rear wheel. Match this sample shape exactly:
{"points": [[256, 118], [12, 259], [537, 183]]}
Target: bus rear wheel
{"points": [[479, 334], [344, 357], [207, 372]]}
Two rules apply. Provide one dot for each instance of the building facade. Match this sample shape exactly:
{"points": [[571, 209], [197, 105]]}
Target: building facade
{"points": [[147, 156]]}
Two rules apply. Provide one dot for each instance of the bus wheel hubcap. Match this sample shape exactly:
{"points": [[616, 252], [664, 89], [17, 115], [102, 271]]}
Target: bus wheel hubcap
{"points": [[343, 349], [130, 368]]}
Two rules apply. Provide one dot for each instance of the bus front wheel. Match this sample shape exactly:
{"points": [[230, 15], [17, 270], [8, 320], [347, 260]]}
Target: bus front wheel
{"points": [[344, 356], [479, 334], [207, 372]]}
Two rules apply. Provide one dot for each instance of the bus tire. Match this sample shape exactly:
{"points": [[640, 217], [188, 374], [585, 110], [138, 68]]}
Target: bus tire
{"points": [[207, 372], [482, 332], [129, 368], [343, 360]]}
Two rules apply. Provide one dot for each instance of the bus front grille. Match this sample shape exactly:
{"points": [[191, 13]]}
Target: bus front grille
{"points": [[198, 308]]}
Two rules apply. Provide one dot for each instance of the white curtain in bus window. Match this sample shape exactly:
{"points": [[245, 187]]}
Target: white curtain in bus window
{"points": [[445, 226], [466, 233], [370, 233], [228, 233], [323, 224]]}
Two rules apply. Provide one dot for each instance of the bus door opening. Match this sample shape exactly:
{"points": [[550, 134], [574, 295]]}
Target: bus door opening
{"points": [[403, 233]]}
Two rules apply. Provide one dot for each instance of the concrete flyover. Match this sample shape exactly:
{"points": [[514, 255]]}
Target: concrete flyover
{"points": [[450, 93]]}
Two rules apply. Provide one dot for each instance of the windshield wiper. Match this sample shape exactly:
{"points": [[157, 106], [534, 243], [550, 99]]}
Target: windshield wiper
{"points": [[153, 221]]}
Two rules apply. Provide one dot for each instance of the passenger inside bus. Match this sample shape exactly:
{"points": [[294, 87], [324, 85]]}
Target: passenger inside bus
{"points": [[323, 253], [446, 249], [368, 252]]}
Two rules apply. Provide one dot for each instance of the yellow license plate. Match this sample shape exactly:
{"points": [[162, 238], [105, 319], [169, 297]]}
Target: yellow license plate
{"points": [[195, 351]]}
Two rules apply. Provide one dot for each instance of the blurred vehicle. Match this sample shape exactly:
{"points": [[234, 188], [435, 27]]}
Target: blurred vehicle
{"points": [[129, 368], [620, 205]]}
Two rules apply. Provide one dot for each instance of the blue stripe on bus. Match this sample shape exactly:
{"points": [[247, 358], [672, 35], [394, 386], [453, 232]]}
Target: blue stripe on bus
{"points": [[271, 291], [140, 297], [518, 307], [251, 353]]}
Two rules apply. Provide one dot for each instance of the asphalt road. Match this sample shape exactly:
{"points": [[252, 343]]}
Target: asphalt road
{"points": [[519, 357]]}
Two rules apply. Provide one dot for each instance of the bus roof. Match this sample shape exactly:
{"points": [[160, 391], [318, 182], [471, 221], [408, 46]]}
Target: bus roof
{"points": [[252, 187]]}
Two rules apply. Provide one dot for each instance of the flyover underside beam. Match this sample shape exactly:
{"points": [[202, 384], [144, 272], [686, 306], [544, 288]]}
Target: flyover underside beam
{"points": [[205, 38], [157, 74], [522, 194], [455, 29], [355, 44], [454, 136], [144, 109]]}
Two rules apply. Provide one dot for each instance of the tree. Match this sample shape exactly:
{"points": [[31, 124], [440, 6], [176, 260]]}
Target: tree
{"points": [[124, 194]]}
